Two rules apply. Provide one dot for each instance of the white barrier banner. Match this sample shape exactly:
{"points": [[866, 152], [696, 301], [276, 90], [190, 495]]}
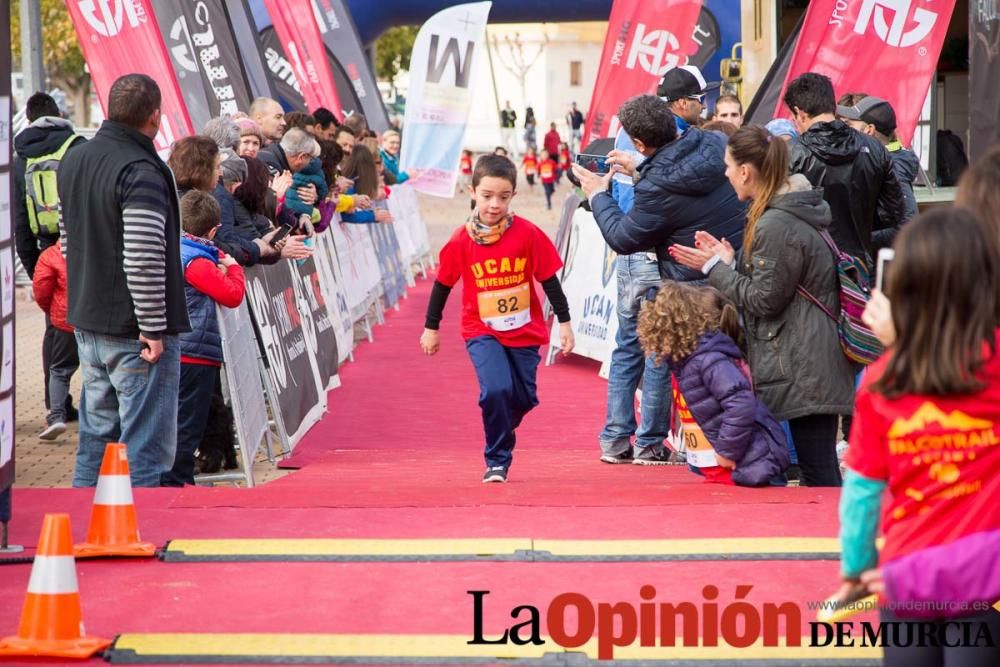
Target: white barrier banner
{"points": [[358, 264], [242, 369], [404, 198], [331, 281], [590, 282]]}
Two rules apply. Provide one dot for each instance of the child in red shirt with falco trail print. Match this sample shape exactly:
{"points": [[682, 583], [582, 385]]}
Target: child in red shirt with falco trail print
{"points": [[498, 256]]}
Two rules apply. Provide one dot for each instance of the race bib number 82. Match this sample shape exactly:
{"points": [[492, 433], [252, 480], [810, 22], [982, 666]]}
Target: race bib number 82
{"points": [[506, 310]]}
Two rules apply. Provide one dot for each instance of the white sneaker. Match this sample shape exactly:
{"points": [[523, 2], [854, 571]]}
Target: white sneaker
{"points": [[52, 431]]}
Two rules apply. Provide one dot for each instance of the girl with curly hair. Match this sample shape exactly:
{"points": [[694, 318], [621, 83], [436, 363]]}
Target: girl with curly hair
{"points": [[695, 330]]}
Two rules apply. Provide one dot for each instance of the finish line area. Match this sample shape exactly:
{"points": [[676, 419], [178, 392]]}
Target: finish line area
{"points": [[368, 552]]}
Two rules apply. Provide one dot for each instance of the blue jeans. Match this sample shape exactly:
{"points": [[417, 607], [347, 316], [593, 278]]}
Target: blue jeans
{"points": [[636, 275], [194, 404], [506, 392], [125, 399]]}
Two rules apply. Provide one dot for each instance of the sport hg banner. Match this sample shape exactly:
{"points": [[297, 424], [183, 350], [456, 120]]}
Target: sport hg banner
{"points": [[590, 282], [121, 37], [251, 52], [645, 38], [283, 331], [984, 76], [344, 46], [844, 39], [6, 265], [444, 58], [296, 27], [205, 57]]}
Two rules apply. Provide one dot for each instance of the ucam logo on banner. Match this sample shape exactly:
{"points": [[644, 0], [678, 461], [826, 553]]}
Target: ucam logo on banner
{"points": [[121, 37], [444, 57], [642, 43], [884, 47], [590, 282]]}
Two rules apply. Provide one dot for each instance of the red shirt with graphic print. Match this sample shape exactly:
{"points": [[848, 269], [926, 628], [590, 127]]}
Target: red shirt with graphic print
{"points": [[939, 455], [499, 298]]}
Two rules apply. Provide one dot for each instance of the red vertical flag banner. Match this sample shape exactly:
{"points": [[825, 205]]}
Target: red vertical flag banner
{"points": [[295, 25], [886, 48], [120, 37], [645, 38]]}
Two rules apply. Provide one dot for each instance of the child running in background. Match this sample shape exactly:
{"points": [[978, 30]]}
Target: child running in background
{"points": [[925, 441], [465, 170], [565, 161], [497, 256], [547, 172], [694, 330], [530, 165]]}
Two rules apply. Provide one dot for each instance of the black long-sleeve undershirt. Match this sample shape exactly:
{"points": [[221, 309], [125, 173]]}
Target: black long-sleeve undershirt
{"points": [[440, 292]]}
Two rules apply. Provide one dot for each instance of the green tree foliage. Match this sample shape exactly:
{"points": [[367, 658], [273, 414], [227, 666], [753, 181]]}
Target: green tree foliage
{"points": [[64, 63], [393, 49]]}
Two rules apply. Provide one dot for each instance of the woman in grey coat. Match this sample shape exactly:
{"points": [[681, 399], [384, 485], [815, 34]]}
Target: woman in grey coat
{"points": [[799, 370]]}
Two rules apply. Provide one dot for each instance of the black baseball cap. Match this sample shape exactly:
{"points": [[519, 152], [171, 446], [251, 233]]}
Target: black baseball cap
{"points": [[683, 81], [874, 111]]}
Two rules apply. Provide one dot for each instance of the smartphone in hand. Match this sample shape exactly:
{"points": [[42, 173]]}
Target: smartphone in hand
{"points": [[885, 257], [597, 164], [282, 233]]}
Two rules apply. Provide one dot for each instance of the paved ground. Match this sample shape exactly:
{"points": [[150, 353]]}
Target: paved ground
{"points": [[50, 464]]}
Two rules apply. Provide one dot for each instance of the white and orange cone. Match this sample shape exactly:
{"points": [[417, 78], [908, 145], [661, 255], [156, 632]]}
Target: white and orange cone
{"points": [[113, 530], [51, 620]]}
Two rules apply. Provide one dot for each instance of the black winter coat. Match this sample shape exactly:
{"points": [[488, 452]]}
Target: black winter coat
{"points": [[856, 175], [682, 189], [794, 353]]}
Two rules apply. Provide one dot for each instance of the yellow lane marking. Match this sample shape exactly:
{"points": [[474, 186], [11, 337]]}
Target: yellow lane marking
{"points": [[716, 546], [447, 646], [347, 547]]}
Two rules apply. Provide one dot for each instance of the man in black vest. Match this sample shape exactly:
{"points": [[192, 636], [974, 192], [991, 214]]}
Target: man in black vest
{"points": [[121, 236]]}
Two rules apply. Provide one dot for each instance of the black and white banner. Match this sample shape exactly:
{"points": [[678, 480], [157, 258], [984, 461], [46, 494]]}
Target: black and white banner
{"points": [[205, 57], [312, 301], [354, 78], [288, 339]]}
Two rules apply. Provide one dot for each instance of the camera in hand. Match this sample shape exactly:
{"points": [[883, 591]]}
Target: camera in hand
{"points": [[597, 164]]}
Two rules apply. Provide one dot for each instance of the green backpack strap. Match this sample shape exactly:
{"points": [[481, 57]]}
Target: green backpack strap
{"points": [[42, 196]]}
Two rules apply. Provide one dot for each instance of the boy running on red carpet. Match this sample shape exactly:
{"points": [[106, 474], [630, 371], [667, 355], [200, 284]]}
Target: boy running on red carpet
{"points": [[497, 255]]}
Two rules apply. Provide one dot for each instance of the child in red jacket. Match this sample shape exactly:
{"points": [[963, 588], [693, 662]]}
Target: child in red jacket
{"points": [[211, 277], [49, 287], [547, 170]]}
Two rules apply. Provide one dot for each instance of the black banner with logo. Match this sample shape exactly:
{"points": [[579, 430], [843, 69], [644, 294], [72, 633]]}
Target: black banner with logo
{"points": [[272, 296], [204, 56], [247, 41], [321, 333], [281, 71], [7, 264], [354, 78], [984, 77]]}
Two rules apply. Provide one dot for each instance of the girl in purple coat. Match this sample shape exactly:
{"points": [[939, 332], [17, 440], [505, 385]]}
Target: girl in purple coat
{"points": [[693, 330]]}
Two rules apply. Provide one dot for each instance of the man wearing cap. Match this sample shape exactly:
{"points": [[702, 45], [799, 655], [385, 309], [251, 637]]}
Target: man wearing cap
{"points": [[684, 90], [680, 188], [876, 118], [853, 169]]}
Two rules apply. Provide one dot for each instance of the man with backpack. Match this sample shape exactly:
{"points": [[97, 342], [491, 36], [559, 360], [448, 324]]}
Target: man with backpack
{"points": [[39, 149]]}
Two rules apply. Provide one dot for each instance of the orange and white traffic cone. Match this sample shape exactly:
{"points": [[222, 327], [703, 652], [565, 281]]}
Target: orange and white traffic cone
{"points": [[113, 530], [51, 621]]}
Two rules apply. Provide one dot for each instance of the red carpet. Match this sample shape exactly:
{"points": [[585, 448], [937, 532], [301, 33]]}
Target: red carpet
{"points": [[400, 456]]}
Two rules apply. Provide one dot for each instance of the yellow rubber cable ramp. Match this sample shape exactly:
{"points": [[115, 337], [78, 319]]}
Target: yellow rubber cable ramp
{"points": [[304, 649], [502, 549]]}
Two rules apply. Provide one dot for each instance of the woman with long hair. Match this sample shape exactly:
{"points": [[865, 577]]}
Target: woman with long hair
{"points": [[195, 161], [361, 168], [798, 368], [924, 442]]}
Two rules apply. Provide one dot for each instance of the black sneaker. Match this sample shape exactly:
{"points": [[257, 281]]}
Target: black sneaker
{"points": [[652, 455], [71, 413], [495, 474], [621, 457]]}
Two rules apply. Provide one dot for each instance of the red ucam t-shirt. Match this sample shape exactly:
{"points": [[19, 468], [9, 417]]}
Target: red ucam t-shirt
{"points": [[466, 165], [499, 298], [530, 165], [564, 160], [547, 170], [939, 455]]}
